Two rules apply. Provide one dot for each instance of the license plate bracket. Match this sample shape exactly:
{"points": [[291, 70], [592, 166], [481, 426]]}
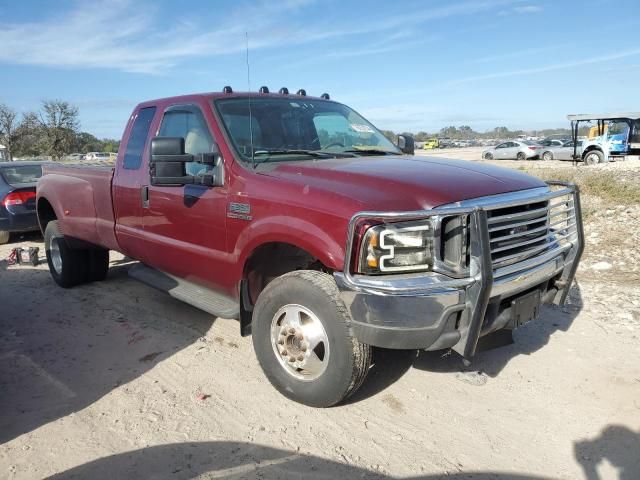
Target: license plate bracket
{"points": [[525, 308]]}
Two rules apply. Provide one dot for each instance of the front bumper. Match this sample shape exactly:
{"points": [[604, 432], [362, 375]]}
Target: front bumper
{"points": [[434, 311]]}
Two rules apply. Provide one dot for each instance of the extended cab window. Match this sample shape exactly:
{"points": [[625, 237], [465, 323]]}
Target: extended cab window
{"points": [[138, 138], [187, 121]]}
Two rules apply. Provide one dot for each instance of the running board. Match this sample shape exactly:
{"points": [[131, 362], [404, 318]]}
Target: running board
{"points": [[195, 295]]}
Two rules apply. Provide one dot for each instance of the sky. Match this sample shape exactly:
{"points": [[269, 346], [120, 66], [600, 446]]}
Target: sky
{"points": [[406, 65]]}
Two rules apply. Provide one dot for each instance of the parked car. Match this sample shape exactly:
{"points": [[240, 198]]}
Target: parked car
{"points": [[514, 150], [94, 156], [18, 197], [562, 152], [322, 245], [553, 142]]}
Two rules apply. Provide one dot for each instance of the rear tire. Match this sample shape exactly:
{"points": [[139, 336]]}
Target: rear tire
{"points": [[68, 266], [98, 265], [521, 156], [4, 237], [593, 157], [547, 156], [303, 312]]}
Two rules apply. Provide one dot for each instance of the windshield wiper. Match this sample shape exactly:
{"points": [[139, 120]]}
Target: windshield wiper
{"points": [[370, 151], [279, 151]]}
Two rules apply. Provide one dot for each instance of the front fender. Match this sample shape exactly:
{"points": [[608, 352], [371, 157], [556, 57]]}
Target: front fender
{"points": [[295, 231]]}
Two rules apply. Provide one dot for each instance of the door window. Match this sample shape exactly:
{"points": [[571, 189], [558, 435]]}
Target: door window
{"points": [[138, 138], [187, 121]]}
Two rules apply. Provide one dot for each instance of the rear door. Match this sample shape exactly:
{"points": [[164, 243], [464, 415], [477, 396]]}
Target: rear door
{"points": [[184, 226]]}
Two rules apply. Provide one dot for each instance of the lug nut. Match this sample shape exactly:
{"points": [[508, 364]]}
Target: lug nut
{"points": [[300, 358], [292, 330], [281, 342], [292, 359], [284, 353], [303, 347]]}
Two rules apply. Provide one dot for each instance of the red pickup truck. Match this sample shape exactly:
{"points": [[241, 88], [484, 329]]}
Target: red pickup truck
{"points": [[296, 216]]}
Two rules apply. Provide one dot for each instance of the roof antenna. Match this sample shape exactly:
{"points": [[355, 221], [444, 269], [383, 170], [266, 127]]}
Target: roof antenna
{"points": [[253, 160]]}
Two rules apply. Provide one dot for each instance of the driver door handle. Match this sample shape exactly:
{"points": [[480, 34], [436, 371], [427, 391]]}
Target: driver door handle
{"points": [[144, 193]]}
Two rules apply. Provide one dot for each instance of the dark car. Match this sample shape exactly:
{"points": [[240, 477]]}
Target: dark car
{"points": [[18, 197]]}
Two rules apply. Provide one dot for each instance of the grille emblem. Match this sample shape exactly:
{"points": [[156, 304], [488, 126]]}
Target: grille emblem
{"points": [[518, 229]]}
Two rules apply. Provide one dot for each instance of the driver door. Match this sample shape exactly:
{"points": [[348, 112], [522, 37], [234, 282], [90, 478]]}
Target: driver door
{"points": [[185, 226]]}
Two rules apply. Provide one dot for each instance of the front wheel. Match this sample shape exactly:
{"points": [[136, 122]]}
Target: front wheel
{"points": [[593, 157], [488, 156], [303, 340], [521, 156]]}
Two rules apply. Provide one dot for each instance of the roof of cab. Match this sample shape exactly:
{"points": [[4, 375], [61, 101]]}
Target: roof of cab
{"points": [[217, 95]]}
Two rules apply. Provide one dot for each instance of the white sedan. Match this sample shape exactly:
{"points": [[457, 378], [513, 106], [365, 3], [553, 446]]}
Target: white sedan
{"points": [[513, 150]]}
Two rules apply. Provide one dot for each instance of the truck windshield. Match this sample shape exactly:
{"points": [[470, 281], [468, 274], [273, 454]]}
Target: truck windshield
{"points": [[285, 129]]}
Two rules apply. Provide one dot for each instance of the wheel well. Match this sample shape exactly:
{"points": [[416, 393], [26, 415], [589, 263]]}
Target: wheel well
{"points": [[266, 263], [46, 213], [272, 260], [590, 149]]}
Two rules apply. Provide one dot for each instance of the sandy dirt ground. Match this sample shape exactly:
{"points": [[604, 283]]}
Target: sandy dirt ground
{"points": [[115, 380]]}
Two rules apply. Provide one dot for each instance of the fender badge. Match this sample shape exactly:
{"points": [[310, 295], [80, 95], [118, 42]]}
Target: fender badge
{"points": [[241, 211]]}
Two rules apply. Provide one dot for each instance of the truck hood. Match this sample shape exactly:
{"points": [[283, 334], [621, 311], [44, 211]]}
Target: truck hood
{"points": [[402, 183]]}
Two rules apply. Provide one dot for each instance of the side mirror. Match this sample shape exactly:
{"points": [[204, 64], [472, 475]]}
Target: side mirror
{"points": [[167, 164], [406, 144]]}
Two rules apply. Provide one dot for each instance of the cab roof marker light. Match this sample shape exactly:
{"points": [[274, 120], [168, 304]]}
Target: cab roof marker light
{"points": [[283, 91], [227, 89], [325, 96], [302, 92], [264, 89]]}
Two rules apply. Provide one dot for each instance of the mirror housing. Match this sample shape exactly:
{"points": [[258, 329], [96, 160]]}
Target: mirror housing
{"points": [[406, 144], [167, 164]]}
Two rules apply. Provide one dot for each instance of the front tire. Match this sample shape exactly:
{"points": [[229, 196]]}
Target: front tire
{"points": [[303, 340], [488, 156], [593, 157], [521, 156], [4, 237], [68, 266]]}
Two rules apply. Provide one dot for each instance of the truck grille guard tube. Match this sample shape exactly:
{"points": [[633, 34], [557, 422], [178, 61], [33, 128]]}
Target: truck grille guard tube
{"points": [[479, 281]]}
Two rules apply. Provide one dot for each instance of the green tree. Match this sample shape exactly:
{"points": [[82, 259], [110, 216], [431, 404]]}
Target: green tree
{"points": [[59, 122]]}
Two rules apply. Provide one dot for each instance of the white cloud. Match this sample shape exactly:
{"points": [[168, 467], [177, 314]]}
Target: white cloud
{"points": [[527, 9], [124, 35], [549, 68]]}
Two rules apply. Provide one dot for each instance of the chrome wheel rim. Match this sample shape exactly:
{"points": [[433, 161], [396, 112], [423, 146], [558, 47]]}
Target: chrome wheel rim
{"points": [[547, 156], [56, 257], [592, 159], [300, 342]]}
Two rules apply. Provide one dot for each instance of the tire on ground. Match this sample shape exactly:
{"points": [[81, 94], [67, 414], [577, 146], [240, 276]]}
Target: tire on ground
{"points": [[488, 156], [593, 156], [74, 266], [98, 266], [348, 361], [521, 156], [547, 156], [4, 237]]}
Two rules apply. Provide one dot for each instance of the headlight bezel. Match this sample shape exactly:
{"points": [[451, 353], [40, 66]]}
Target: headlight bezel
{"points": [[436, 238]]}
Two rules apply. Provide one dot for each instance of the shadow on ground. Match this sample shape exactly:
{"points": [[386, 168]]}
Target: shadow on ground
{"points": [[617, 444], [211, 460], [61, 350]]}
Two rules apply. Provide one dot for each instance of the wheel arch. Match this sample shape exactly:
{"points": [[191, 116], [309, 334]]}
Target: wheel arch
{"points": [[45, 212]]}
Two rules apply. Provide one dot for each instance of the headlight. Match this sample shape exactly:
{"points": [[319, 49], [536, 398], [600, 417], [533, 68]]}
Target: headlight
{"points": [[397, 247]]}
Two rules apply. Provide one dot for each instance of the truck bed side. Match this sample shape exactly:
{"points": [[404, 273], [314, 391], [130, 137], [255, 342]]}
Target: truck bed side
{"points": [[81, 198]]}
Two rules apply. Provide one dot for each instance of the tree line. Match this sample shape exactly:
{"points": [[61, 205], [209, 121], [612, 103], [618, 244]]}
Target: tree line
{"points": [[53, 131], [465, 132]]}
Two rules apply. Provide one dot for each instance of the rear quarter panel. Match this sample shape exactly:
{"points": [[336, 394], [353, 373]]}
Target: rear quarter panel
{"points": [[81, 199]]}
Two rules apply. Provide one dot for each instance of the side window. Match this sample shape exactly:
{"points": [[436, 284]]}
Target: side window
{"points": [[138, 138], [188, 122], [502, 145]]}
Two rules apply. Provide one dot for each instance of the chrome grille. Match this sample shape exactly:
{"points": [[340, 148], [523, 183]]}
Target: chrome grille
{"points": [[520, 232]]}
